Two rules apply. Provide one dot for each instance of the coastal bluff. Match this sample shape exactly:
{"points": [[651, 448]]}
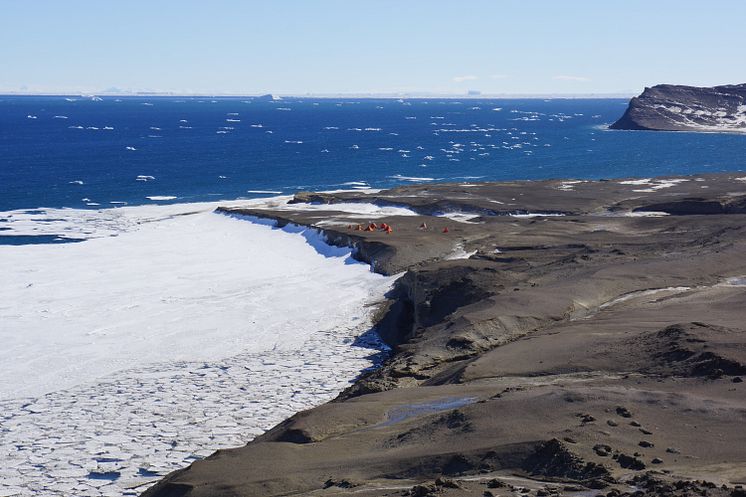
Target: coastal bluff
{"points": [[687, 108], [548, 338]]}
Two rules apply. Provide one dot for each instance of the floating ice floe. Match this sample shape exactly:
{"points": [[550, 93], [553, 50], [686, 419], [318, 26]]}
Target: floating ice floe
{"points": [[31, 116], [130, 148], [76, 182], [161, 197], [144, 177], [59, 117], [411, 178]]}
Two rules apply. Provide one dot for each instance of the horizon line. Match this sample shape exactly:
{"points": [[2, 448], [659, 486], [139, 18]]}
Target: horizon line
{"points": [[370, 95]]}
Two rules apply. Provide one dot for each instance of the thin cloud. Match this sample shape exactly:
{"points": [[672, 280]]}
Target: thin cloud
{"points": [[570, 78], [461, 79]]}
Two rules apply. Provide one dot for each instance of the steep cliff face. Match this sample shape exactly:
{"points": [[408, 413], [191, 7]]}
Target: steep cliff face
{"points": [[687, 108]]}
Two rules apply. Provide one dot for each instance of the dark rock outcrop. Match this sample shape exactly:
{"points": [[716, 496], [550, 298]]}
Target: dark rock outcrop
{"points": [[687, 108]]}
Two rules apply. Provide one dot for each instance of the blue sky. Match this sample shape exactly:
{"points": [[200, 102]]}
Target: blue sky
{"points": [[329, 46]]}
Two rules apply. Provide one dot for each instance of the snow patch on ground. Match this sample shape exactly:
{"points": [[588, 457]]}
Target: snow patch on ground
{"points": [[459, 253], [653, 185], [461, 217], [356, 209]]}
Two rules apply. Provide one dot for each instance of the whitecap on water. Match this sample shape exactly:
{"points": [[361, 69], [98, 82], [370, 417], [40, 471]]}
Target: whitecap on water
{"points": [[161, 197], [410, 178]]}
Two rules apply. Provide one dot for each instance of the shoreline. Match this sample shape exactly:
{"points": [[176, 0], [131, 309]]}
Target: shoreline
{"points": [[495, 327]]}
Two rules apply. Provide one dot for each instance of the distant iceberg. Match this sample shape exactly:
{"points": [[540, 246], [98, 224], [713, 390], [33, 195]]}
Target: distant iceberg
{"points": [[266, 98]]}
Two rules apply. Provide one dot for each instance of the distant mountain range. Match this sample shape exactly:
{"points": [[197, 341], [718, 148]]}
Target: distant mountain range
{"points": [[687, 108]]}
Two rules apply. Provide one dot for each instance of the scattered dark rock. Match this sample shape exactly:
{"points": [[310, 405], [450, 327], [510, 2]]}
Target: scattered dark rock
{"points": [[611, 422], [715, 374], [338, 483], [646, 444], [446, 483], [635, 424], [422, 491], [586, 418], [495, 483], [657, 460], [737, 379], [553, 459], [572, 488], [457, 464], [629, 462], [646, 432], [602, 450], [623, 412], [672, 450]]}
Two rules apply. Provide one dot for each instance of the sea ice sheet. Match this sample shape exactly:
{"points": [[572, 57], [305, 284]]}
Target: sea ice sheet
{"points": [[129, 356]]}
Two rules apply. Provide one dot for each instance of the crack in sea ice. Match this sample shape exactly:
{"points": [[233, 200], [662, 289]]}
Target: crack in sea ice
{"points": [[119, 435]]}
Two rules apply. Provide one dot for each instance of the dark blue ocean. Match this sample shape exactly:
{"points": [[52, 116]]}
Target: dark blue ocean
{"points": [[84, 152]]}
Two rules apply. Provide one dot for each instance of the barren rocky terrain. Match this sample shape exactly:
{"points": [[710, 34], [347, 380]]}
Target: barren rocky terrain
{"points": [[549, 338]]}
